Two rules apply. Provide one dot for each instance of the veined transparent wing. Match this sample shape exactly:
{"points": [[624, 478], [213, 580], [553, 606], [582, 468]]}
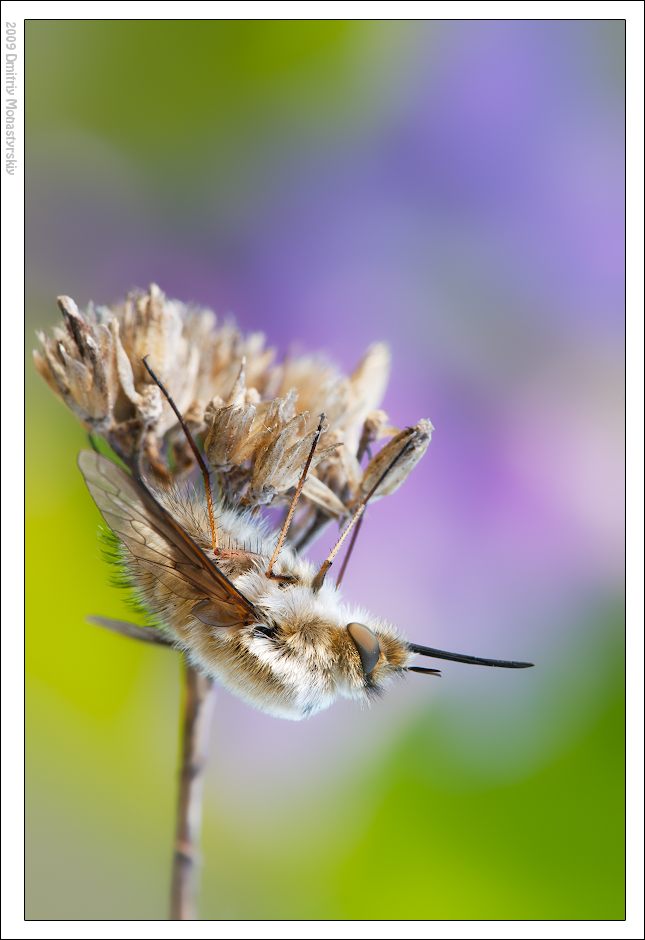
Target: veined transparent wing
{"points": [[159, 544]]}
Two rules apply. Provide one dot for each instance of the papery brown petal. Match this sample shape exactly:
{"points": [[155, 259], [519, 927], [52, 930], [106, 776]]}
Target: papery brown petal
{"points": [[53, 355], [79, 381], [418, 438], [350, 469], [150, 407], [320, 495], [294, 462], [238, 392], [194, 414], [270, 419], [268, 462], [104, 371], [252, 445], [369, 378], [228, 432], [123, 365], [43, 367], [212, 408]]}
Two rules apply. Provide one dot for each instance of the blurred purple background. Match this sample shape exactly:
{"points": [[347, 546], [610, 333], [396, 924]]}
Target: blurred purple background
{"points": [[460, 197]]}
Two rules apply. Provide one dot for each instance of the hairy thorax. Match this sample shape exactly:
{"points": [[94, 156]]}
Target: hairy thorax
{"points": [[299, 656]]}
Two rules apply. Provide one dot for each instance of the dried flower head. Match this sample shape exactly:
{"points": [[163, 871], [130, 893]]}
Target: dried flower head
{"points": [[260, 620], [254, 418]]}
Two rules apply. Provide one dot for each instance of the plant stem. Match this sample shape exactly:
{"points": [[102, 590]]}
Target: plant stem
{"points": [[199, 701]]}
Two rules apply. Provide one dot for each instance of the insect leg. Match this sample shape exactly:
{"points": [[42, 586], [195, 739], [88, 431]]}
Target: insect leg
{"points": [[292, 509], [317, 582]]}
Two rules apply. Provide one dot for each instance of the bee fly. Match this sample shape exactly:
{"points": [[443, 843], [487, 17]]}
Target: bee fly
{"points": [[263, 623]]}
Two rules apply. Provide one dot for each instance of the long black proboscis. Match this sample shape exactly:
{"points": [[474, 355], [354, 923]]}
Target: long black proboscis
{"points": [[473, 660]]}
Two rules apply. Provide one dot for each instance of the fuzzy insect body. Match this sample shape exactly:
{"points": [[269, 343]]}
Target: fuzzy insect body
{"points": [[277, 643], [266, 627]]}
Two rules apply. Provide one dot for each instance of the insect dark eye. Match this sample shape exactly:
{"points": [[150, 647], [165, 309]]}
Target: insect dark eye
{"points": [[366, 644]]}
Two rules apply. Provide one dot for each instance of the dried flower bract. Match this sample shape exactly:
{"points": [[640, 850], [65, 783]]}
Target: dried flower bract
{"points": [[164, 383], [254, 418]]}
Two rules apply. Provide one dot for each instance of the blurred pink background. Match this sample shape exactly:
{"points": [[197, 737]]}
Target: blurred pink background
{"points": [[454, 188]]}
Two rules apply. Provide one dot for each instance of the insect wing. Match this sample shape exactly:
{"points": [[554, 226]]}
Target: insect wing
{"points": [[158, 542]]}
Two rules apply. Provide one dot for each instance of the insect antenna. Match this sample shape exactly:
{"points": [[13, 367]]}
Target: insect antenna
{"points": [[426, 672], [316, 584], [459, 658], [198, 456], [292, 508]]}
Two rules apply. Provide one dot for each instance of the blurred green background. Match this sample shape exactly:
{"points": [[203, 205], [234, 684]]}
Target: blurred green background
{"points": [[455, 188]]}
